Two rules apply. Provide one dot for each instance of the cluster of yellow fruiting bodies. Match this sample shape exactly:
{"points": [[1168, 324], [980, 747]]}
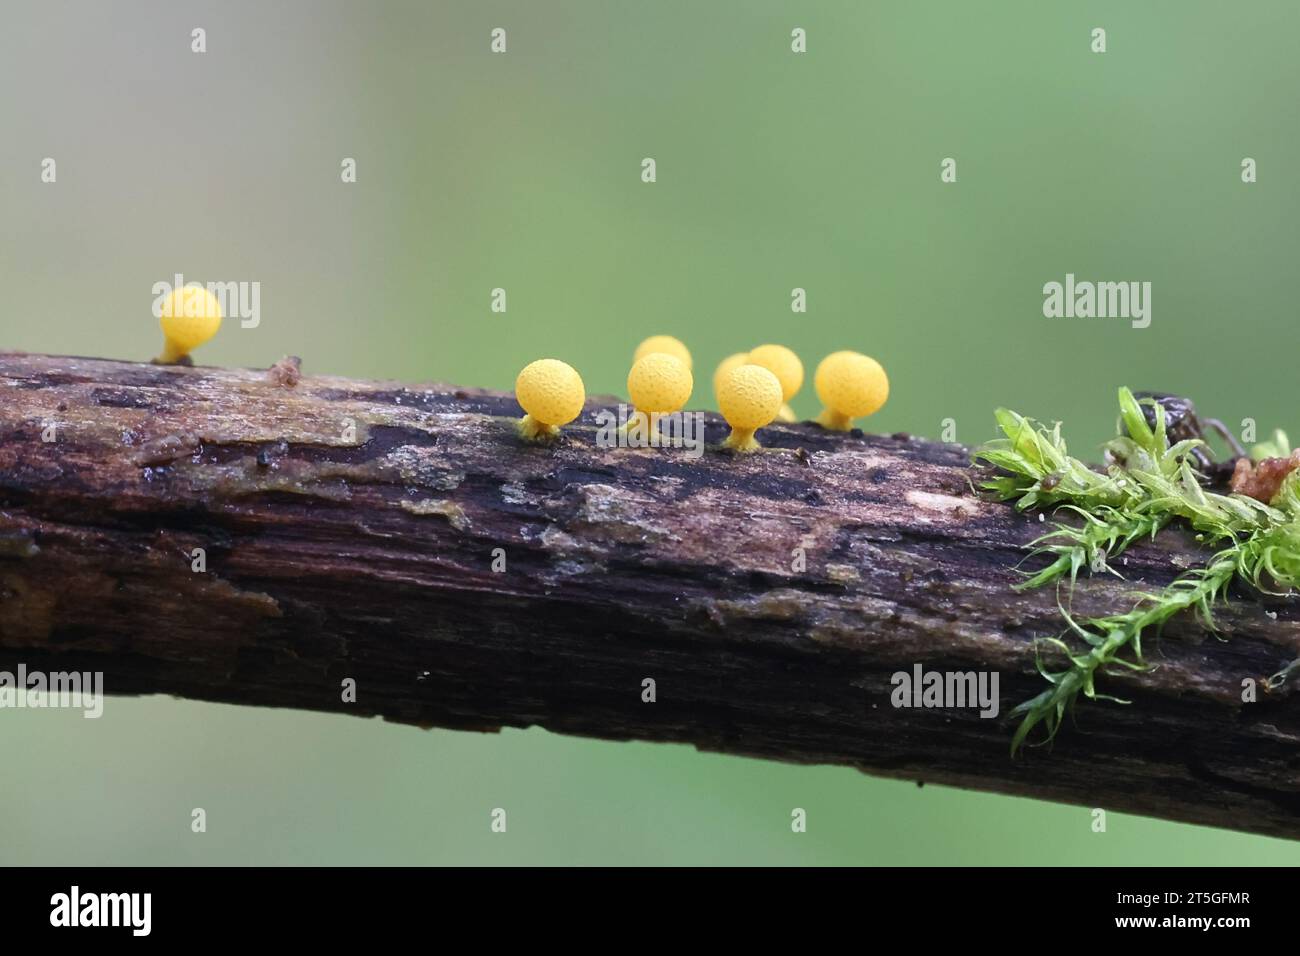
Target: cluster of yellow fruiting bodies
{"points": [[753, 390]]}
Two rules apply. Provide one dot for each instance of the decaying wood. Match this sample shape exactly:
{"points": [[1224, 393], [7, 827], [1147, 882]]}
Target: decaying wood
{"points": [[350, 530]]}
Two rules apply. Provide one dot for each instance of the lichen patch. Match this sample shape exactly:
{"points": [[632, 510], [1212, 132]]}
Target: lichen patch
{"points": [[453, 512]]}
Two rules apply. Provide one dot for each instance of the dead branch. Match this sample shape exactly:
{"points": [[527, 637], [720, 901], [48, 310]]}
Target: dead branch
{"points": [[350, 530]]}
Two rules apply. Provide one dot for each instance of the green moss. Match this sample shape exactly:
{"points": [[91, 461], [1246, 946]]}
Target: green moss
{"points": [[1148, 485]]}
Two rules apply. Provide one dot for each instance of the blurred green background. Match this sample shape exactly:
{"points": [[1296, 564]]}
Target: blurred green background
{"points": [[522, 171]]}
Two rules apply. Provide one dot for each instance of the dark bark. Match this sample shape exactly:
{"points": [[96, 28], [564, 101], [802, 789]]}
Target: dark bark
{"points": [[333, 555]]}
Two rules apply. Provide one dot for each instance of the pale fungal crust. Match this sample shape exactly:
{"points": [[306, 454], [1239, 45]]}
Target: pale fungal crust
{"points": [[658, 384], [941, 504], [850, 385], [785, 365], [750, 398], [665, 344], [189, 317], [551, 394]]}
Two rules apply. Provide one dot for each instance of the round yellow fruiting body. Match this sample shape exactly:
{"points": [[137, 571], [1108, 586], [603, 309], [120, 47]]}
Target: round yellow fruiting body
{"points": [[787, 368], [725, 367], [749, 398], [658, 384], [666, 344], [189, 317], [850, 385], [552, 394]]}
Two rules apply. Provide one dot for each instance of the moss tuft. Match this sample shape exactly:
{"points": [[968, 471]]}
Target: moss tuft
{"points": [[1147, 485]]}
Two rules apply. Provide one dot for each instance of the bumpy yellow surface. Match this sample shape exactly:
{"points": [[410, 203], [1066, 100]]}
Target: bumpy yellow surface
{"points": [[659, 382], [190, 316], [725, 366], [782, 363], [666, 344], [550, 391], [851, 384], [750, 397]]}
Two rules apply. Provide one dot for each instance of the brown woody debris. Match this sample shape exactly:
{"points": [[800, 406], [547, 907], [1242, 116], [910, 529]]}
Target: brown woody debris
{"points": [[286, 372], [1261, 480]]}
